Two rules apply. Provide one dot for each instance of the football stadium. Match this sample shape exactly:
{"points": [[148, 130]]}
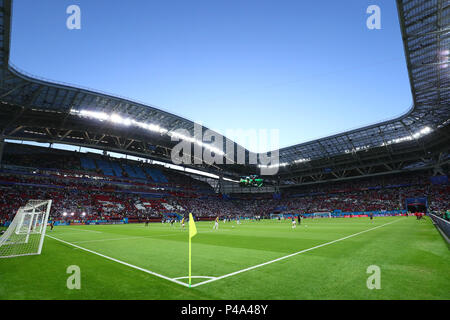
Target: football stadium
{"points": [[107, 198]]}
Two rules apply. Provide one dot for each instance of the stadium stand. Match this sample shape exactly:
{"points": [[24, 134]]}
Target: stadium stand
{"points": [[105, 167], [92, 194], [116, 168], [156, 175], [417, 140], [139, 172], [130, 171], [88, 164]]}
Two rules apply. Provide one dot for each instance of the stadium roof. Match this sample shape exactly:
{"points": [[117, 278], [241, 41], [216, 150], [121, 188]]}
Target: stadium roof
{"points": [[41, 110]]}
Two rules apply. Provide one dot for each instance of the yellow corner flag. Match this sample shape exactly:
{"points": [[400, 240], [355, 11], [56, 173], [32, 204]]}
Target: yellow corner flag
{"points": [[192, 227], [192, 233]]}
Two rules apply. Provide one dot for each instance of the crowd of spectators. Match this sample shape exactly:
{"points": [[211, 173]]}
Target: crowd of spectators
{"points": [[89, 195], [95, 199]]}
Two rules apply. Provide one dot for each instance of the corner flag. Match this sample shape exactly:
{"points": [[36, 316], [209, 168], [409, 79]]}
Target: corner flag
{"points": [[192, 227], [192, 233]]}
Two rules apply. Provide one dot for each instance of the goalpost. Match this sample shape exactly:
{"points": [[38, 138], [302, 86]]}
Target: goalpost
{"points": [[25, 235]]}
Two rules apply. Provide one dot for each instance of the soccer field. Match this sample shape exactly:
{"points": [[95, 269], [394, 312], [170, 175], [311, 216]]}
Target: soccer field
{"points": [[320, 259]]}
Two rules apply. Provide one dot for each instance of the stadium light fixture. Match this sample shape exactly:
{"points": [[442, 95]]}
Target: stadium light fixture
{"points": [[231, 180], [422, 132], [360, 148], [118, 119], [302, 160], [276, 165], [92, 114], [115, 118], [64, 214], [284, 164], [197, 142]]}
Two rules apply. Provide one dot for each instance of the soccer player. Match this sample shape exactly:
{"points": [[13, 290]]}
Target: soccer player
{"points": [[182, 223], [299, 218], [52, 224], [216, 224], [294, 223], [371, 216], [146, 222], [172, 222]]}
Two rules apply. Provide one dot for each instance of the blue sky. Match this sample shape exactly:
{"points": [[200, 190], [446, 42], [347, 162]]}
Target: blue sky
{"points": [[306, 68]]}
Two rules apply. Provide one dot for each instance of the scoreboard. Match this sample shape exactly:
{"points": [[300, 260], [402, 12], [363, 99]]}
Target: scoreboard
{"points": [[251, 181]]}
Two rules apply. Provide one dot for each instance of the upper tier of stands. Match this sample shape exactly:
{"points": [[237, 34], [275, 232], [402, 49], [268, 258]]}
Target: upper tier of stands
{"points": [[111, 168]]}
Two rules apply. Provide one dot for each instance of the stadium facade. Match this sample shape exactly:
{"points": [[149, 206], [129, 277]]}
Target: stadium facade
{"points": [[34, 109]]}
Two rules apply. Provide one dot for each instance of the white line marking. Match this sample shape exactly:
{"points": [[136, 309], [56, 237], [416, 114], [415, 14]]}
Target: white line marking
{"points": [[195, 277], [290, 255], [122, 262], [64, 233]]}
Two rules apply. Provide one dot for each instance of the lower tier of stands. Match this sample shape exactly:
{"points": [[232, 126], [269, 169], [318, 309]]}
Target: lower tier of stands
{"points": [[87, 199]]}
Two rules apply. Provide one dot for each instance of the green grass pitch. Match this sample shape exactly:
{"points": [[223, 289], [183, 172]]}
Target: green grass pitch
{"points": [[413, 257]]}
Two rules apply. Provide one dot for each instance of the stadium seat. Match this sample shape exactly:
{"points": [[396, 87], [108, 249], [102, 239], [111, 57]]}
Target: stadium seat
{"points": [[116, 168], [88, 164], [105, 167]]}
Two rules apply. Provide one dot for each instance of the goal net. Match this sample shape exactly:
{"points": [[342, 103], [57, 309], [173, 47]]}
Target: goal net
{"points": [[25, 235]]}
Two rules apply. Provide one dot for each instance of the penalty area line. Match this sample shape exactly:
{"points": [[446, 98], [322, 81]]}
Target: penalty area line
{"points": [[122, 262], [290, 255]]}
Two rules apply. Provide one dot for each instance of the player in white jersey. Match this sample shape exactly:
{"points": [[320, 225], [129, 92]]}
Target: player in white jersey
{"points": [[294, 223]]}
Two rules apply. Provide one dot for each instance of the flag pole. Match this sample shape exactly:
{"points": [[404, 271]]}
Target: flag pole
{"points": [[192, 232], [190, 261]]}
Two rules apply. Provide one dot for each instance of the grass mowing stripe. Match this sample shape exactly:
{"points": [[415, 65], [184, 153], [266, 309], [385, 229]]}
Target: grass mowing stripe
{"points": [[227, 275], [131, 238], [291, 255], [81, 230], [122, 262], [128, 238]]}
